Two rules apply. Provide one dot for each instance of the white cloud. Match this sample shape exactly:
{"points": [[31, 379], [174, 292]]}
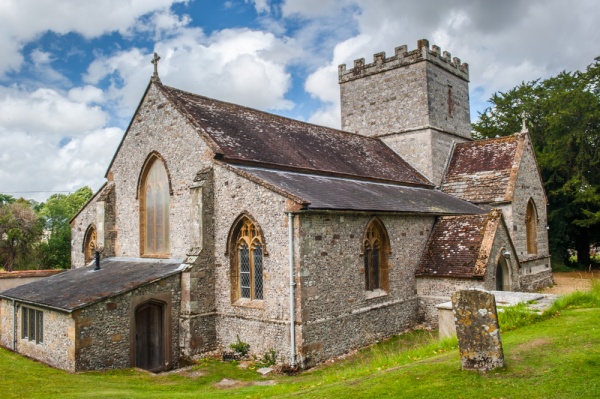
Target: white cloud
{"points": [[238, 65], [36, 164], [23, 20], [86, 94], [261, 6], [504, 43], [47, 111], [41, 57], [53, 141]]}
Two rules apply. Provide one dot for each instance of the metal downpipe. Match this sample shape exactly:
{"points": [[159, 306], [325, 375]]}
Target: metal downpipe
{"points": [[292, 289]]}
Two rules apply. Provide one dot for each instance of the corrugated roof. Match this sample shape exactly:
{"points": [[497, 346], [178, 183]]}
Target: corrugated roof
{"points": [[459, 246], [245, 135], [482, 171], [81, 287], [322, 192]]}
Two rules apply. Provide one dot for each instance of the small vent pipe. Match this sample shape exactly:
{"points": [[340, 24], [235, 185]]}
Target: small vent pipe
{"points": [[97, 261]]}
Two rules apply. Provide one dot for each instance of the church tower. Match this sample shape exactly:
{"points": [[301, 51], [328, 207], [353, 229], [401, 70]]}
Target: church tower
{"points": [[417, 102]]}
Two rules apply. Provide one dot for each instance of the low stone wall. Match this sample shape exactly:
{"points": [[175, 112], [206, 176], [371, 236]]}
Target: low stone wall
{"points": [[433, 291], [327, 338], [14, 279], [535, 274]]}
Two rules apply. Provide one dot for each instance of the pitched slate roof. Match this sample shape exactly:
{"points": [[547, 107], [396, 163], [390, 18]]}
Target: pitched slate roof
{"points": [[78, 288], [459, 246], [484, 171], [325, 192], [243, 135]]}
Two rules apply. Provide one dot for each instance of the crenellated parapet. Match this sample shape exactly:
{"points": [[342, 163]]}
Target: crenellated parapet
{"points": [[403, 57]]}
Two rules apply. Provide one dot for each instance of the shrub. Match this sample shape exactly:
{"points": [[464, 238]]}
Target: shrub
{"points": [[240, 347]]}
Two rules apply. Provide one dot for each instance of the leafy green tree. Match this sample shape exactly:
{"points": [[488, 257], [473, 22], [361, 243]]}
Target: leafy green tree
{"points": [[56, 212], [563, 114], [20, 232], [6, 199]]}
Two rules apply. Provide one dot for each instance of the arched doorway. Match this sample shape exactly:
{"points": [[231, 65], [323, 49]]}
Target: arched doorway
{"points": [[149, 337], [502, 275]]}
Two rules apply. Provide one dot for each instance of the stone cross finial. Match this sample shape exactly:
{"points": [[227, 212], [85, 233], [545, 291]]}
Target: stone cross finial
{"points": [[524, 118], [155, 62]]}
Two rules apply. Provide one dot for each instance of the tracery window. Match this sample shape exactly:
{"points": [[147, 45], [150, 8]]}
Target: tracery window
{"points": [[154, 209], [247, 261], [375, 253], [531, 227], [90, 244]]}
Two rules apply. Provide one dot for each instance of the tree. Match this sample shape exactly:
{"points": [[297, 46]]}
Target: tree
{"points": [[563, 114], [56, 212], [20, 231]]}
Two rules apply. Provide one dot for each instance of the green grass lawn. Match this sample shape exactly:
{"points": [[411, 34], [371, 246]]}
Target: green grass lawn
{"points": [[556, 357]]}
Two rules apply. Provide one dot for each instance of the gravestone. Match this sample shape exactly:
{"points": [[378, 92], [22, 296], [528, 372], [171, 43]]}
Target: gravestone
{"points": [[477, 329]]}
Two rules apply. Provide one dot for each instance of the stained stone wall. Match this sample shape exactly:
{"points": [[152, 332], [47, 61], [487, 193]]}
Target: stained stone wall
{"points": [[417, 102], [338, 314], [156, 128], [104, 331], [535, 269], [427, 150], [99, 212], [263, 324], [79, 226], [408, 91], [58, 346]]}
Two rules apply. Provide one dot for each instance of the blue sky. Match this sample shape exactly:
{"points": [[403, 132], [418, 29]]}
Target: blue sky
{"points": [[72, 72]]}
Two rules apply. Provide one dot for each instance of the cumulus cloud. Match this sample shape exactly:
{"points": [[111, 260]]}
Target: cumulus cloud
{"points": [[37, 164], [503, 42], [238, 65], [51, 140], [23, 20], [47, 111]]}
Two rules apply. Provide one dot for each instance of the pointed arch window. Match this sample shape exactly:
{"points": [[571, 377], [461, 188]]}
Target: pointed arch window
{"points": [[90, 244], [375, 253], [154, 209], [531, 227], [247, 254]]}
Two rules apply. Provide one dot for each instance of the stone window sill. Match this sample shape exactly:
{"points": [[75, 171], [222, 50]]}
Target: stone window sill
{"points": [[250, 303], [377, 293]]}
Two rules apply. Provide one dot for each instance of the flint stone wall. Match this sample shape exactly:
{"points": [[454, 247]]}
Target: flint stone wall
{"points": [[535, 268], [104, 330], [338, 314], [264, 324], [58, 346]]}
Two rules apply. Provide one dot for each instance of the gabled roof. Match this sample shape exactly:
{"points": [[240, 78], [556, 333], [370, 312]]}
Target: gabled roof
{"points": [[241, 135], [78, 288], [459, 246], [485, 171], [333, 193]]}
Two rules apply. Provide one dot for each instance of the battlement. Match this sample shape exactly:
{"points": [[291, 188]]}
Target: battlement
{"points": [[403, 57]]}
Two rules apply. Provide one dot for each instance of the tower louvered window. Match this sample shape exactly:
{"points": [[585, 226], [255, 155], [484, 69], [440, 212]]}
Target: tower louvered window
{"points": [[375, 250]]}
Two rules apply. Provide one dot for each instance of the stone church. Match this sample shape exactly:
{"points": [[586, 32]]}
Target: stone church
{"points": [[219, 221]]}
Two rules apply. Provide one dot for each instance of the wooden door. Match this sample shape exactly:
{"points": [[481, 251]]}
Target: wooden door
{"points": [[149, 345]]}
